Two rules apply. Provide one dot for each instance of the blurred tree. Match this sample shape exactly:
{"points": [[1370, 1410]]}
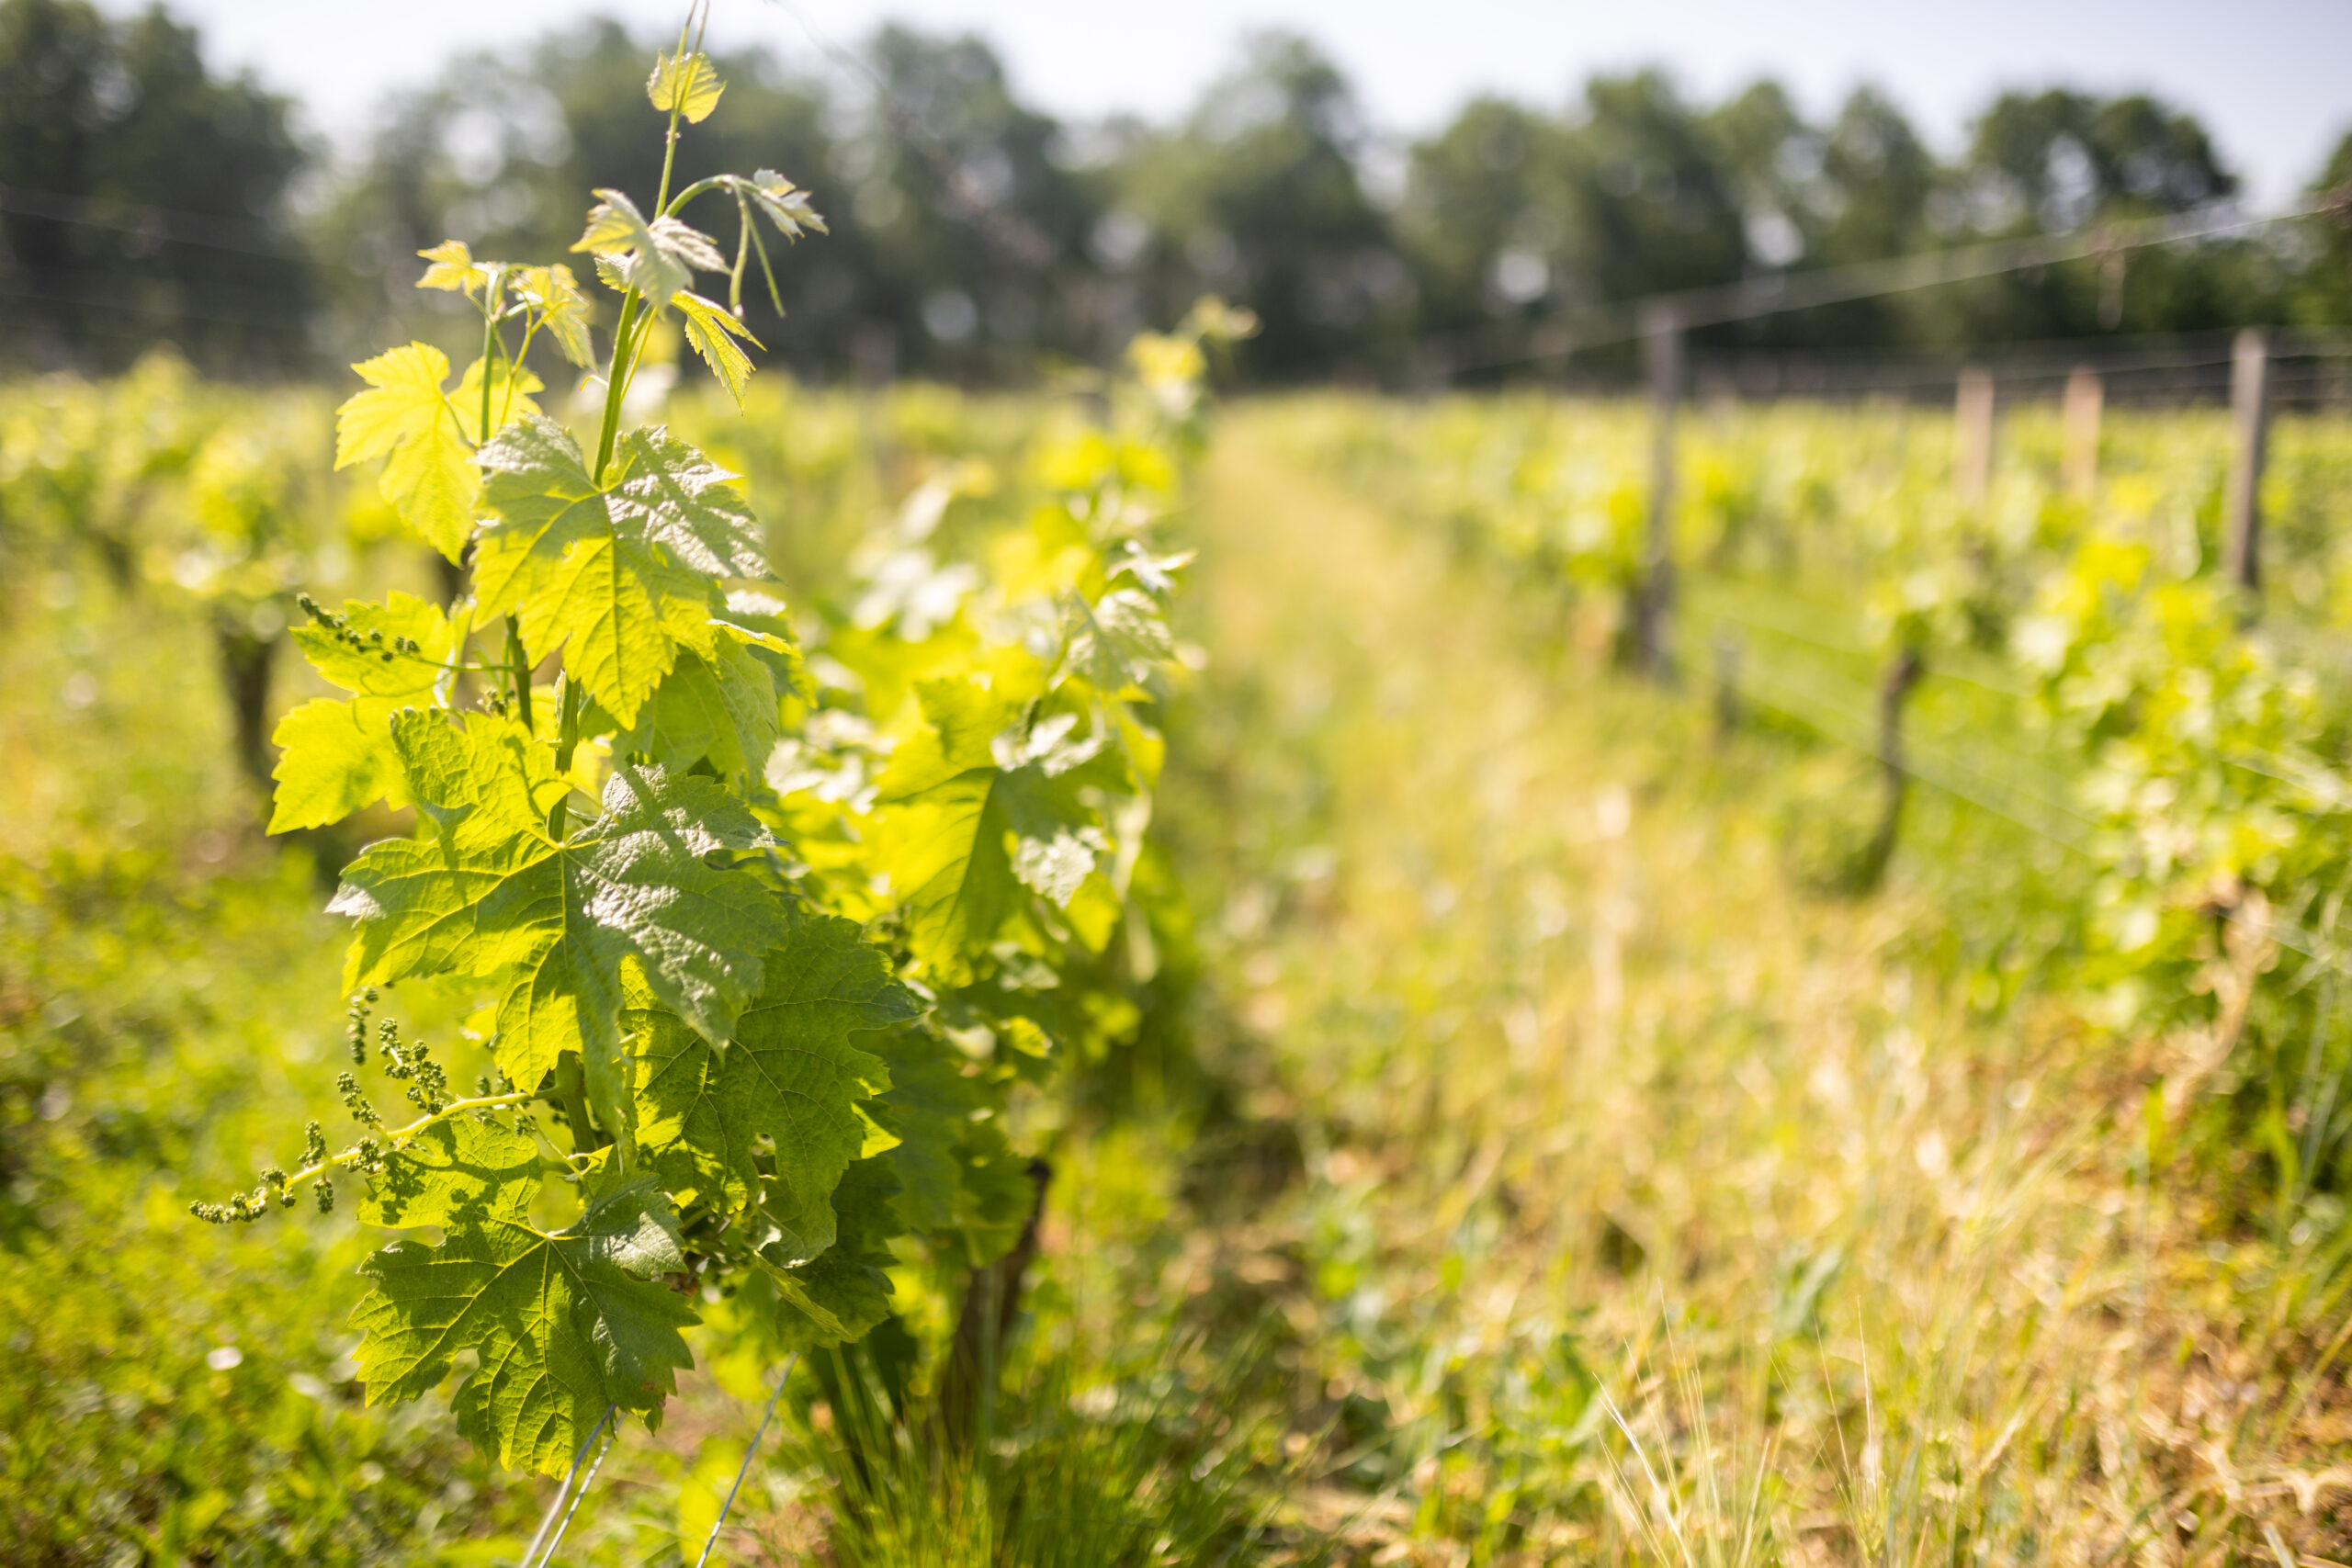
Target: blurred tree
{"points": [[974, 232], [143, 200], [1644, 204], [2061, 159], [975, 237], [1259, 197], [1868, 191], [1475, 223], [1771, 160], [1876, 185], [2321, 292]]}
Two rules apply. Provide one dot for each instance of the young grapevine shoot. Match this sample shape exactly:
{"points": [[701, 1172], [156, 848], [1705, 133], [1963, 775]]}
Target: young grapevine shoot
{"points": [[760, 958]]}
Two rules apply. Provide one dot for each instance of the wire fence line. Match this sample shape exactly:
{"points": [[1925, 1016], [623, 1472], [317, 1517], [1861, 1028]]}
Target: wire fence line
{"points": [[149, 224], [2308, 369], [2017, 790], [1622, 321]]}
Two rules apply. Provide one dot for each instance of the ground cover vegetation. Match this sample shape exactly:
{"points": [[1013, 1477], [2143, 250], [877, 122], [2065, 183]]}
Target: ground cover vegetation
{"points": [[976, 236], [1516, 1133], [1078, 990]]}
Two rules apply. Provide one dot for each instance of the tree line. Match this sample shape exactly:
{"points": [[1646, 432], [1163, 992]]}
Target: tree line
{"points": [[975, 237]]}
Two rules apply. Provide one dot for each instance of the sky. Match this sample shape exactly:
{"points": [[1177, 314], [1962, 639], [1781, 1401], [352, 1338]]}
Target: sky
{"points": [[2268, 77]]}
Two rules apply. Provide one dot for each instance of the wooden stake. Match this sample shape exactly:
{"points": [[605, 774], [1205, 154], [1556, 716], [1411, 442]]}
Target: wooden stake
{"points": [[1726, 685], [1662, 353], [1894, 690], [2250, 412], [2078, 464], [1972, 436]]}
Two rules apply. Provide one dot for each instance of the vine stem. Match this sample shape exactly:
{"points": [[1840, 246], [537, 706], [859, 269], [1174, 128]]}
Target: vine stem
{"points": [[490, 342], [547, 1520], [623, 367], [398, 1139], [522, 663], [745, 1468]]}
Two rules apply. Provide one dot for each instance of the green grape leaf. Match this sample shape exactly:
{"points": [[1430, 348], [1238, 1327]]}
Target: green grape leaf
{"points": [[405, 418], [490, 895], [997, 1191], [929, 1100], [1120, 641], [554, 297], [844, 1290], [454, 268], [976, 813], [620, 574], [712, 330], [765, 624], [563, 1324], [687, 84], [722, 708], [791, 1077], [657, 259], [783, 203], [337, 757], [478, 783], [958, 1179]]}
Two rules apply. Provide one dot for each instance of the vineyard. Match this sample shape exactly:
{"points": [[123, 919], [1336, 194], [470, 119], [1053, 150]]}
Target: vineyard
{"points": [[608, 959]]}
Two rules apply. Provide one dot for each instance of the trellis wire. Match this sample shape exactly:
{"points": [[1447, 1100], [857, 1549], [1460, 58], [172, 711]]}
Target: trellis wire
{"points": [[532, 1553], [745, 1468]]}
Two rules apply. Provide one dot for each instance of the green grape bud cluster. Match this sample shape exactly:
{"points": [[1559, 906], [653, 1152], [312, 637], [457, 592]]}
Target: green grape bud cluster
{"points": [[355, 1102], [373, 642], [413, 1064], [244, 1207], [356, 1027]]}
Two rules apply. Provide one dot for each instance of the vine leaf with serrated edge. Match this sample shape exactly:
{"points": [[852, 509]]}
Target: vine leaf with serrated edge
{"points": [[783, 203], [970, 822], [453, 268], [657, 259], [564, 1324], [490, 895], [562, 310], [335, 757], [688, 84], [790, 1077], [1117, 641], [844, 1290], [617, 574], [721, 708], [405, 418], [959, 1179], [712, 332]]}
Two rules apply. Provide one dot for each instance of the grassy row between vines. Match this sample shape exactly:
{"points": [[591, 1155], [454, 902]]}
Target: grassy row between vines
{"points": [[1681, 1207]]}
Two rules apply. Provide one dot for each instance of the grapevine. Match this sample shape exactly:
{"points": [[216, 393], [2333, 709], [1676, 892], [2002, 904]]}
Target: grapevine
{"points": [[761, 948]]}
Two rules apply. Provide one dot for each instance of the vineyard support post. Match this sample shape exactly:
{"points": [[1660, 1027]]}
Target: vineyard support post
{"points": [[1894, 690], [1972, 436], [1662, 356], [1726, 685], [992, 1306], [2078, 463], [2250, 416]]}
